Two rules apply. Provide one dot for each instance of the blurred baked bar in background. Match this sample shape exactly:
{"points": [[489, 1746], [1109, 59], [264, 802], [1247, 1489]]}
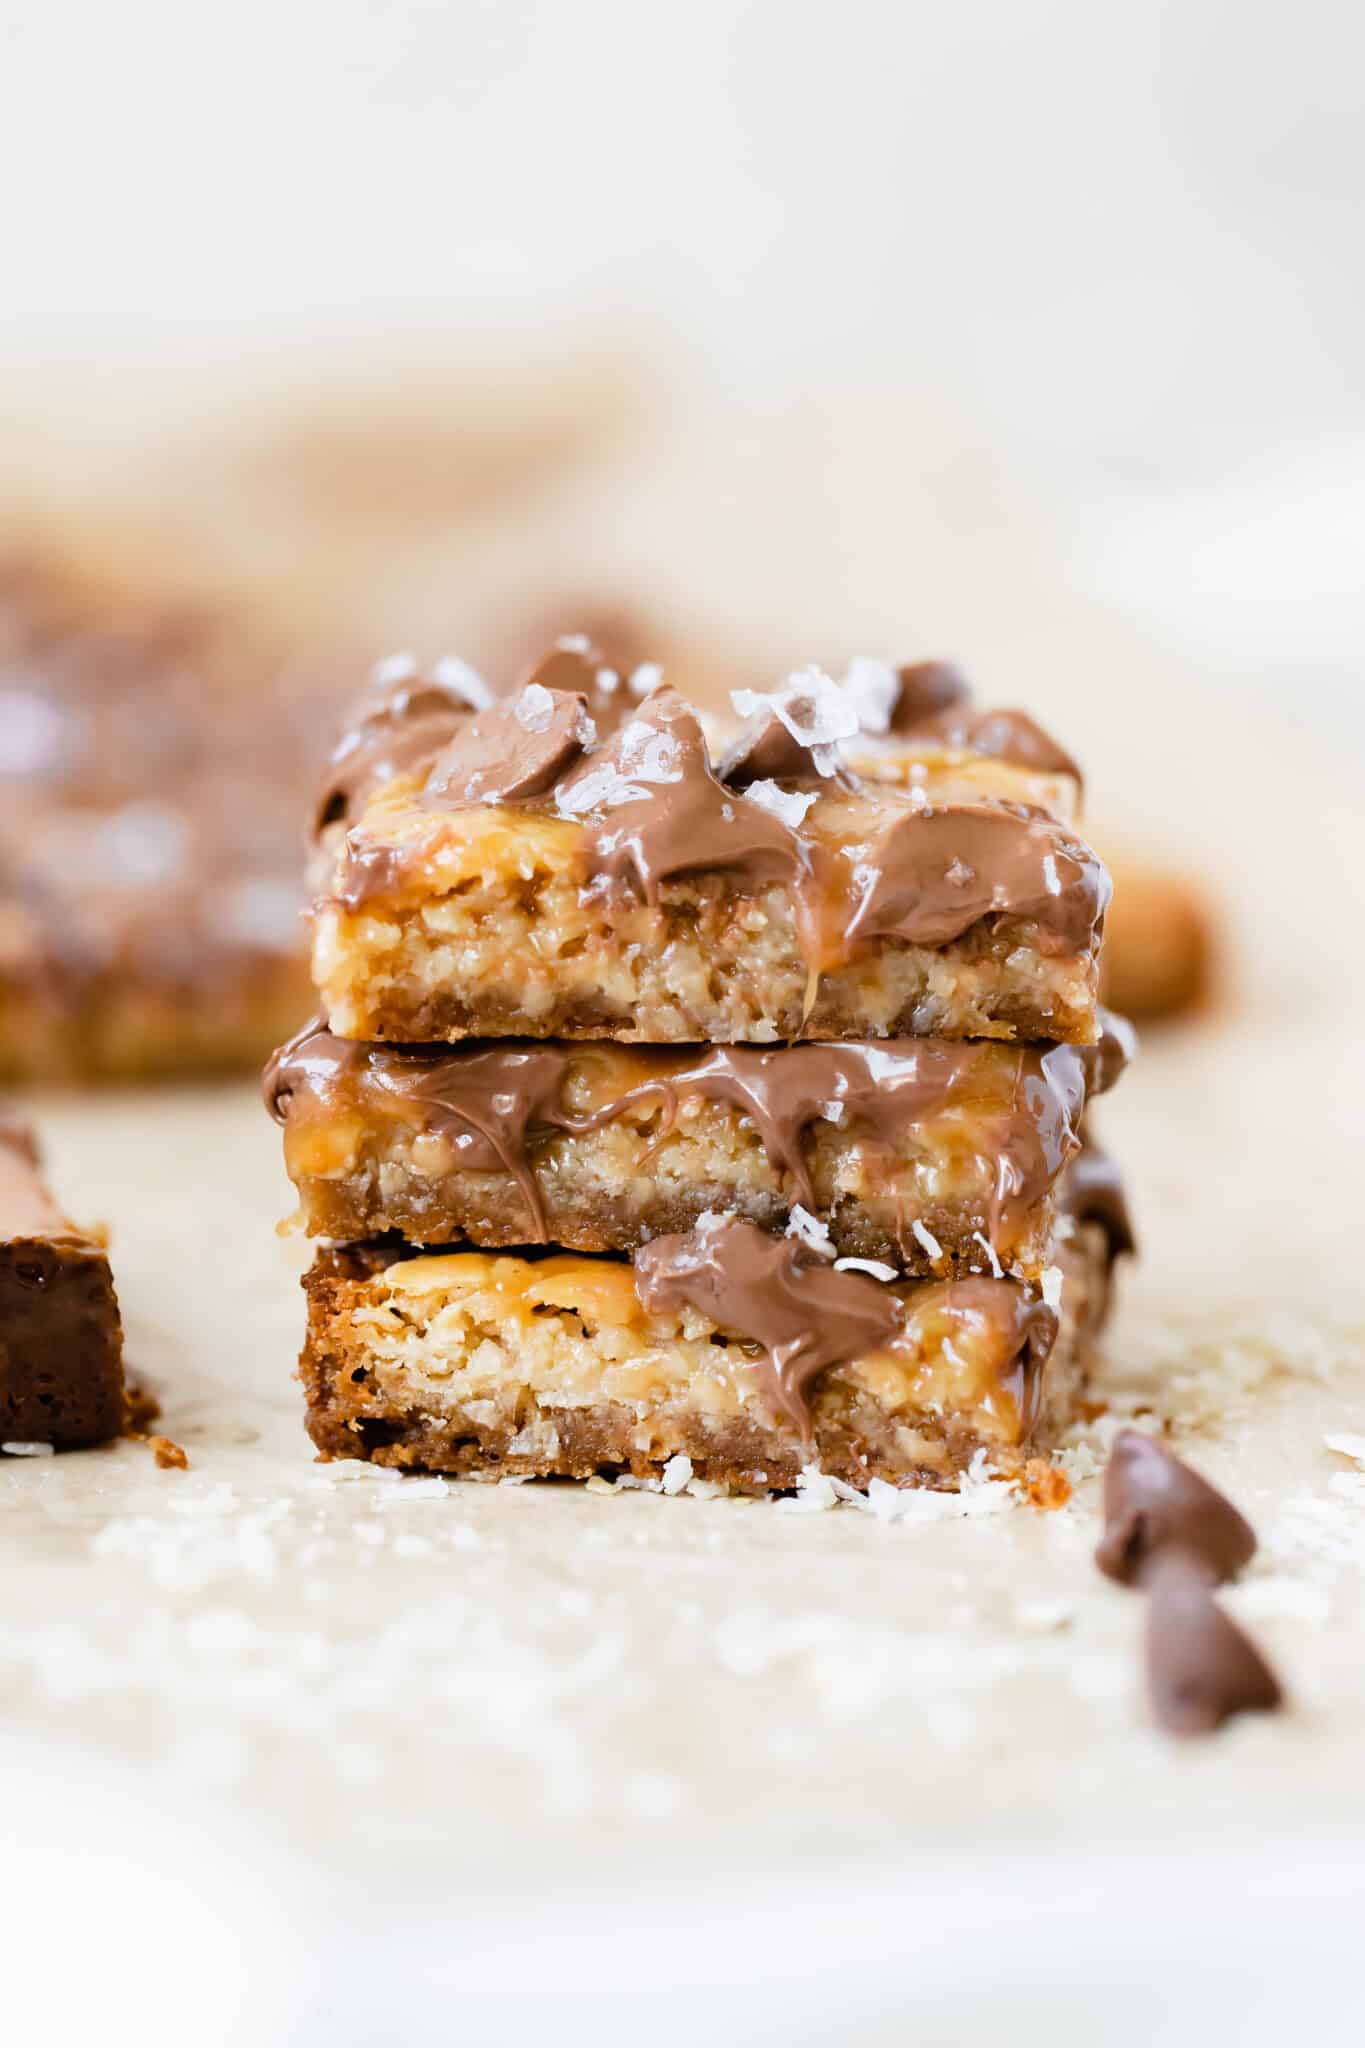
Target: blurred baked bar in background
{"points": [[1160, 951], [151, 757]]}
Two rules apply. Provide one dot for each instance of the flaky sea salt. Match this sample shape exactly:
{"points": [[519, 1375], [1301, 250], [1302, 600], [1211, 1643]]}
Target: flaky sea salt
{"points": [[646, 678], [534, 708], [873, 687], [1050, 1282], [788, 805]]}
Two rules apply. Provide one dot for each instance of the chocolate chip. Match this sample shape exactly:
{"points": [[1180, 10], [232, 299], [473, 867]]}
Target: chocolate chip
{"points": [[1201, 1669], [1153, 1503], [766, 752], [514, 750], [927, 688]]}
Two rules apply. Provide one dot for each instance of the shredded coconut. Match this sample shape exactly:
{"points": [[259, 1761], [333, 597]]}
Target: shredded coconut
{"points": [[1352, 1447], [785, 804], [997, 1270], [876, 1267], [1050, 1282], [26, 1450], [810, 1231], [925, 1239], [677, 1473]]}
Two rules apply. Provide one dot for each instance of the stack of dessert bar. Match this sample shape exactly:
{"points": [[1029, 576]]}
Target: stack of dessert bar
{"points": [[696, 1110]]}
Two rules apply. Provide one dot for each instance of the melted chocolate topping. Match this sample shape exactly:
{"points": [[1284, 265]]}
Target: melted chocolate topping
{"points": [[927, 689], [774, 1293], [805, 1317], [1155, 1506], [400, 727], [937, 872], [512, 751], [667, 814], [767, 752], [1201, 1668], [935, 703], [498, 1102]]}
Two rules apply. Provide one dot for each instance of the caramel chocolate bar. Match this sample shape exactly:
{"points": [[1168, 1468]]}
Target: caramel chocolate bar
{"points": [[934, 1155], [152, 761], [746, 1355], [61, 1341], [531, 875]]}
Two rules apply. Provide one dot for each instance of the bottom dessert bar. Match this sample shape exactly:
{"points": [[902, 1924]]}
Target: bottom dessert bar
{"points": [[748, 1355], [61, 1341]]}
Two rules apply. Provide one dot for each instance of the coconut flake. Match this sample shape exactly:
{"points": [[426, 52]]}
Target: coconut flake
{"points": [[815, 1492], [785, 804], [925, 1239], [997, 1270], [21, 1449], [677, 1473], [810, 1231], [1050, 1281], [1346, 1446], [876, 1267]]}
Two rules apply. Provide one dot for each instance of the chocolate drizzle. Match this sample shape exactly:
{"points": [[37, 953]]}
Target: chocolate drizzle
{"points": [[667, 814], [804, 1317], [1176, 1537], [774, 1293], [1093, 1192], [497, 1103]]}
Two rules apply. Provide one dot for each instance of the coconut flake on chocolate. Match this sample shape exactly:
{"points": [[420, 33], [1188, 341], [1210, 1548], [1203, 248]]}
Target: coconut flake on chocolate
{"points": [[514, 751]]}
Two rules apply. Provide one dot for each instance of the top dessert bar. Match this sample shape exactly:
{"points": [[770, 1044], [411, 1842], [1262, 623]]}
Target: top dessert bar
{"points": [[570, 862]]}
